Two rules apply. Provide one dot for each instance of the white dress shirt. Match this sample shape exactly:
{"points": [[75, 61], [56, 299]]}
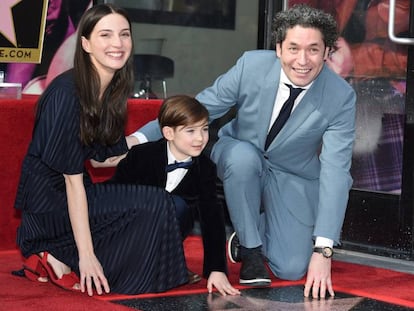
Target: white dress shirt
{"points": [[174, 177], [283, 93]]}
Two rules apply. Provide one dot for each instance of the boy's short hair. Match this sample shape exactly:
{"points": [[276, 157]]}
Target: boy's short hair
{"points": [[181, 110]]}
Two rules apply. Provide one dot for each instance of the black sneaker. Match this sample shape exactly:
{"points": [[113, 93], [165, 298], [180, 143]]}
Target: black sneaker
{"points": [[253, 271], [233, 248]]}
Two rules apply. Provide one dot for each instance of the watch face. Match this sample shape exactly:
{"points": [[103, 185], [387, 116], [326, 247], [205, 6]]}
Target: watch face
{"points": [[327, 252]]}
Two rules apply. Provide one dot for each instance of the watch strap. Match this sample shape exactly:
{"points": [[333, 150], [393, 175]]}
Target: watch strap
{"points": [[326, 251]]}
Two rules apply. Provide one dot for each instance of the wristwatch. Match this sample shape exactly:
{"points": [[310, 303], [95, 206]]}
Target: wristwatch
{"points": [[326, 251]]}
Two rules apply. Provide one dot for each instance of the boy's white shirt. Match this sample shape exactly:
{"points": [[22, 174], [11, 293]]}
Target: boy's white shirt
{"points": [[174, 177]]}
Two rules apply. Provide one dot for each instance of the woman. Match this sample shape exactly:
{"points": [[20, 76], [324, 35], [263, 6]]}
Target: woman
{"points": [[121, 238]]}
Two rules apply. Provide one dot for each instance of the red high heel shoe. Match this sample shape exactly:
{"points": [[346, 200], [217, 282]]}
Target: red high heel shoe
{"points": [[33, 268], [68, 281]]}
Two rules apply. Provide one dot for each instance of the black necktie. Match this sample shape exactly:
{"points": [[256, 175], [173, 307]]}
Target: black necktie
{"points": [[283, 115], [173, 166]]}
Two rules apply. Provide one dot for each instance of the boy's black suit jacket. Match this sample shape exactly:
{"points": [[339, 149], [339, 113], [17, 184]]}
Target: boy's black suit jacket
{"points": [[145, 165]]}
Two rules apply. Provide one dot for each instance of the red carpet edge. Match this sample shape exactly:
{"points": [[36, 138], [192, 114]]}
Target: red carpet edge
{"points": [[21, 294]]}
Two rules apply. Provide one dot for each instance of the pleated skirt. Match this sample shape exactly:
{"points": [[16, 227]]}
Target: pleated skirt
{"points": [[135, 235]]}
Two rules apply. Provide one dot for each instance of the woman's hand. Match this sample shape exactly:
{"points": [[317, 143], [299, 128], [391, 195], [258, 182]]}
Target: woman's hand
{"points": [[219, 280], [92, 274], [110, 162]]}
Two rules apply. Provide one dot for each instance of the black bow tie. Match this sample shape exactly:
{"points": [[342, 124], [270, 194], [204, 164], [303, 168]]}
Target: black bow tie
{"points": [[173, 166]]}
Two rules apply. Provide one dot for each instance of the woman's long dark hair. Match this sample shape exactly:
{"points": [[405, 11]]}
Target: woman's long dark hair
{"points": [[102, 120]]}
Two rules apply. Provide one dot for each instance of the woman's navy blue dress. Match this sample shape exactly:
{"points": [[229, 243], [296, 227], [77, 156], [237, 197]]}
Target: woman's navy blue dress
{"points": [[134, 229]]}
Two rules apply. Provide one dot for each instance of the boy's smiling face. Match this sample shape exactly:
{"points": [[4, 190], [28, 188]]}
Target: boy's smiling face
{"points": [[187, 141]]}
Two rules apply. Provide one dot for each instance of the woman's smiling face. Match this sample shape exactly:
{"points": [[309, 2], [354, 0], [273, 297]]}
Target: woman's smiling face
{"points": [[110, 44]]}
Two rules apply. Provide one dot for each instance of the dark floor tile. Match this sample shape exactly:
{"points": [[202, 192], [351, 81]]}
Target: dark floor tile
{"points": [[272, 299]]}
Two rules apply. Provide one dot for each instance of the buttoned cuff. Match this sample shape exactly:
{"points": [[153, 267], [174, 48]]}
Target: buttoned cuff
{"points": [[141, 137], [320, 241]]}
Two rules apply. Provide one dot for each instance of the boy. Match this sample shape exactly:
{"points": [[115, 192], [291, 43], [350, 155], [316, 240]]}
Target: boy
{"points": [[176, 164]]}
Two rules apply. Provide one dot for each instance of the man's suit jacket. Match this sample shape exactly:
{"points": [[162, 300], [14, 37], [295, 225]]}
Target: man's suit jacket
{"points": [[310, 159], [145, 165]]}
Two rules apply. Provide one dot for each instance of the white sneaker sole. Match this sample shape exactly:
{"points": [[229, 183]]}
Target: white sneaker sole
{"points": [[255, 282], [229, 248]]}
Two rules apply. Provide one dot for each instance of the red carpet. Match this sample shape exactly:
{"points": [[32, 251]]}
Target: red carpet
{"points": [[20, 294]]}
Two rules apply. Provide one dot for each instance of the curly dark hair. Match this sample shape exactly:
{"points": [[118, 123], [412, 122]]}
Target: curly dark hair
{"points": [[308, 17]]}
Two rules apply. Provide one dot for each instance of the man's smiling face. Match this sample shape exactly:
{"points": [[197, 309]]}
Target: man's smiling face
{"points": [[302, 54]]}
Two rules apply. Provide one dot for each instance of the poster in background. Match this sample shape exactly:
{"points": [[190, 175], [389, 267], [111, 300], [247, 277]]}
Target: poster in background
{"points": [[376, 68], [58, 40], [22, 27]]}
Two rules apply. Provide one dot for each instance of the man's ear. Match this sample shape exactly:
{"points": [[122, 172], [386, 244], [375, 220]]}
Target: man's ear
{"points": [[278, 49], [326, 54], [168, 132]]}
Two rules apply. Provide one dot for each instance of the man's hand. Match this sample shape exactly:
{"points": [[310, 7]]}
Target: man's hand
{"points": [[319, 277], [132, 141]]}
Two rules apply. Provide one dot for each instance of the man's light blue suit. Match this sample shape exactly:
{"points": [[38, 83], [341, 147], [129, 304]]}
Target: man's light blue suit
{"points": [[302, 181]]}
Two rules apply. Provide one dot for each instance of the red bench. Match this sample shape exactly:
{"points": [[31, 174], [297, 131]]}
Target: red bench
{"points": [[16, 123]]}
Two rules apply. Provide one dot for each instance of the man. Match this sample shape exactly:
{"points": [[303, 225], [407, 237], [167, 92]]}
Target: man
{"points": [[286, 195]]}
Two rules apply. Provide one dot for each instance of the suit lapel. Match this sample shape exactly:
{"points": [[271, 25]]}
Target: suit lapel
{"points": [[296, 119], [303, 110], [266, 101], [163, 160]]}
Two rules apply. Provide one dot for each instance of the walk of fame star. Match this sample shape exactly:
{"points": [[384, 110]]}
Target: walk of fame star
{"points": [[6, 20]]}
